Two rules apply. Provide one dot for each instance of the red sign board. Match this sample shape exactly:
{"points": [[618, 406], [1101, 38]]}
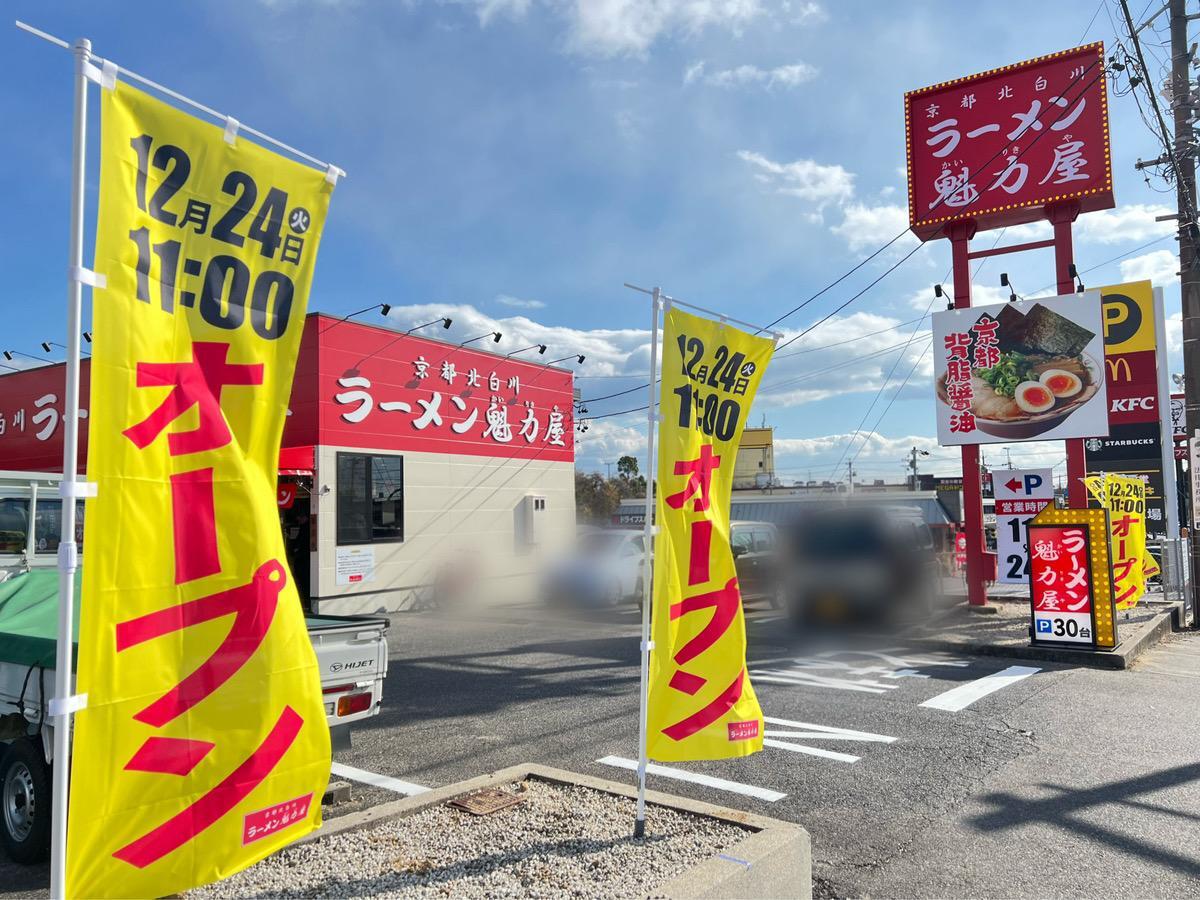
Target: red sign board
{"points": [[377, 389], [1060, 579], [1132, 380], [285, 495], [31, 417], [1000, 146], [355, 386]]}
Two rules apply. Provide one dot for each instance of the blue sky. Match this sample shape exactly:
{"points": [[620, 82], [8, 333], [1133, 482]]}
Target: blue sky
{"points": [[515, 161]]}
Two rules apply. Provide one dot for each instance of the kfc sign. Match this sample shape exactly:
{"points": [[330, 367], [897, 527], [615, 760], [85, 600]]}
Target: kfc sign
{"points": [[1130, 352], [1000, 146]]}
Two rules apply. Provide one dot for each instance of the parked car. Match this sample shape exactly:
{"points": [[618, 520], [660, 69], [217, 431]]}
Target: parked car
{"points": [[861, 564], [605, 569], [756, 556]]}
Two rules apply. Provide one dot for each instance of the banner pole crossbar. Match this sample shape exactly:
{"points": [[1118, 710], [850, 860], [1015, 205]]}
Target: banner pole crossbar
{"points": [[188, 101], [708, 312]]}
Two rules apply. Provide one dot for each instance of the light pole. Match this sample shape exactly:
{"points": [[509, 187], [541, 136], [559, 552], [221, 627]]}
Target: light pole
{"points": [[9, 354], [46, 345], [494, 335], [541, 349], [444, 321]]}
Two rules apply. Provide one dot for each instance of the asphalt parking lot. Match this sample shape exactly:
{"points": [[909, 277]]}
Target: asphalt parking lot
{"points": [[916, 773]]}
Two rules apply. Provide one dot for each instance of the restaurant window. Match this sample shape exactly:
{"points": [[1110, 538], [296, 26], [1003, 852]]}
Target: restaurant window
{"points": [[370, 498]]}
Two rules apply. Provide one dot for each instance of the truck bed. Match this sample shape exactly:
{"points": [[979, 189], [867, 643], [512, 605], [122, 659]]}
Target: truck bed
{"points": [[351, 650], [29, 617]]}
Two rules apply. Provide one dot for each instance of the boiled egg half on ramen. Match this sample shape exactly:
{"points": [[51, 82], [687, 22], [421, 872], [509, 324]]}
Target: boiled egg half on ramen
{"points": [[1033, 397], [1061, 383]]}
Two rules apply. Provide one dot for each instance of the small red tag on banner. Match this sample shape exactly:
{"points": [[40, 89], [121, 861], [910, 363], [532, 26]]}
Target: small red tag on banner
{"points": [[743, 731], [265, 822]]}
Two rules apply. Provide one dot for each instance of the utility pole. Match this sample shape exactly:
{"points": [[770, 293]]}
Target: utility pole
{"points": [[1189, 276], [1008, 457], [912, 465], [1180, 157], [850, 476]]}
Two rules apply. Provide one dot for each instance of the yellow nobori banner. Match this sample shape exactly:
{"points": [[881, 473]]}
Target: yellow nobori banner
{"points": [[204, 746], [1124, 496], [701, 704]]}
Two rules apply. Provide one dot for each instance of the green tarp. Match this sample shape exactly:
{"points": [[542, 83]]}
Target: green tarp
{"points": [[29, 617]]}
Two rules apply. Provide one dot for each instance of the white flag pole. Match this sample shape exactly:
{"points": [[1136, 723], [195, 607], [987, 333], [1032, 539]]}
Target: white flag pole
{"points": [[63, 703], [649, 528]]}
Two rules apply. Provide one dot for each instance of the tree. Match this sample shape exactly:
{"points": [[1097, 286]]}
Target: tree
{"points": [[627, 467], [596, 498]]}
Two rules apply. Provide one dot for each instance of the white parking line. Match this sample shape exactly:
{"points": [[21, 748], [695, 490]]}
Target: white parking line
{"points": [[841, 684], [721, 784], [964, 695], [828, 732], [810, 731], [406, 788], [811, 751]]}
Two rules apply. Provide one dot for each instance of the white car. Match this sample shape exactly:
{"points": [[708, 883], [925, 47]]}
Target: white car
{"points": [[604, 570]]}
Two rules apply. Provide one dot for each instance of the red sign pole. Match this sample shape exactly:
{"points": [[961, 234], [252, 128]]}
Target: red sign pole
{"points": [[1061, 216], [960, 234]]}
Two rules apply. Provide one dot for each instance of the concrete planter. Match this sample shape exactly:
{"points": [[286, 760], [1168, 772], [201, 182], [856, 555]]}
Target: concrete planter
{"points": [[774, 859]]}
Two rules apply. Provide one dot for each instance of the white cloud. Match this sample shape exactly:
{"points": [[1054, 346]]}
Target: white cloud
{"points": [[981, 295], [607, 440], [875, 456], [1030, 231], [1174, 326], [1133, 223], [1158, 266], [803, 178], [804, 13], [787, 76], [608, 351], [847, 355], [619, 27], [518, 303], [487, 10], [867, 227]]}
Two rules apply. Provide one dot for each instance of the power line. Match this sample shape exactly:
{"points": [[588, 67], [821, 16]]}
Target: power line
{"points": [[1107, 262], [899, 390], [905, 258], [826, 318], [776, 356]]}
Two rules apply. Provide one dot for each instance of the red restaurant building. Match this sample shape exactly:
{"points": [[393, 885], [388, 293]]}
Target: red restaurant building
{"points": [[408, 464]]}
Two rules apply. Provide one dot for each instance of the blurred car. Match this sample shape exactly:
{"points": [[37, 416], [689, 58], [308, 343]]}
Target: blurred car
{"points": [[756, 557], [861, 564], [605, 569]]}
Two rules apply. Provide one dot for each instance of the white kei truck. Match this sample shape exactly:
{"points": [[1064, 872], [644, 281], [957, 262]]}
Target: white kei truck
{"points": [[352, 656]]}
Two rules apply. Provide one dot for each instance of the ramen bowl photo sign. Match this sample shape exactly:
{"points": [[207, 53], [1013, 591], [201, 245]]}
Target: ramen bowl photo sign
{"points": [[1020, 371]]}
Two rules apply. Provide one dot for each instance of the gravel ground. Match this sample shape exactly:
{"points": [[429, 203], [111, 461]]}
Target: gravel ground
{"points": [[562, 841]]}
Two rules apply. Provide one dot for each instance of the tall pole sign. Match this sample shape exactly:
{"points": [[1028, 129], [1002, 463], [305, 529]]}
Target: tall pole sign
{"points": [[1008, 146]]}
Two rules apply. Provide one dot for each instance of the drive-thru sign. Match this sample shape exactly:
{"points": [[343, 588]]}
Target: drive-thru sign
{"points": [[1020, 495]]}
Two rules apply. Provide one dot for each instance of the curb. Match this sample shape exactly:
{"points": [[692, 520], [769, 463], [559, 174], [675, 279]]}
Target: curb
{"points": [[773, 860], [1171, 618], [336, 792]]}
